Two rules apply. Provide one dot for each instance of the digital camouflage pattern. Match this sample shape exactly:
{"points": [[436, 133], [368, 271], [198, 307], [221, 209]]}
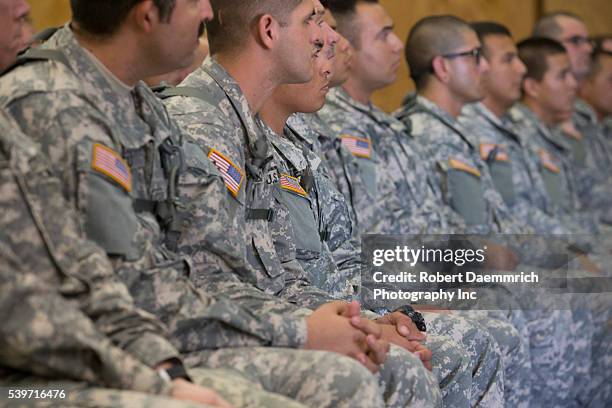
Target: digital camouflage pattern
{"points": [[592, 162], [59, 293], [590, 311], [402, 170], [337, 227], [71, 109], [456, 153], [219, 118], [393, 188], [75, 327]]}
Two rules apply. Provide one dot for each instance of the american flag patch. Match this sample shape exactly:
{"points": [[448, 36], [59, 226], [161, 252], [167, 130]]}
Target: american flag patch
{"points": [[232, 175], [292, 184], [111, 164], [358, 146], [487, 148], [459, 165], [548, 162]]}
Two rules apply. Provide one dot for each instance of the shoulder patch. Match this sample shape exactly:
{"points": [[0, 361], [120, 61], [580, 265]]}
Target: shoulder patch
{"points": [[232, 175], [292, 184], [548, 162], [459, 165], [487, 148], [358, 146], [110, 163]]}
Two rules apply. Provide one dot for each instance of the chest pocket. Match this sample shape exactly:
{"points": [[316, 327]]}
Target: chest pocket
{"points": [[551, 175], [365, 159], [263, 254], [465, 189], [105, 185], [500, 168], [579, 150], [302, 216]]}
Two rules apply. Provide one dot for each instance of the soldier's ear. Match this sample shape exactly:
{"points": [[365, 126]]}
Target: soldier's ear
{"points": [[439, 69], [144, 15], [531, 88], [267, 31]]}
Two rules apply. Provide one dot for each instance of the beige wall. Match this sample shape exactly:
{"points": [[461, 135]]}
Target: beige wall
{"points": [[519, 15], [49, 13]]}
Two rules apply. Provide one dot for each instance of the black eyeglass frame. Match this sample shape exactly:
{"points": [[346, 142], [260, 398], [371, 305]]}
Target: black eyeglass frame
{"points": [[475, 53], [578, 40]]}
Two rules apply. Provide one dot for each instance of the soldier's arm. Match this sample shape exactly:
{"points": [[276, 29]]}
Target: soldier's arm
{"points": [[46, 334]]}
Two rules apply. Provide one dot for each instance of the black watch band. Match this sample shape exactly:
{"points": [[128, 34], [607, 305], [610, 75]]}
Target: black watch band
{"points": [[177, 370], [416, 317]]}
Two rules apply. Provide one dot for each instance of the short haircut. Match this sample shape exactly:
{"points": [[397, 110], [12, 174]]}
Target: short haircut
{"points": [[548, 25], [534, 53], [345, 13], [430, 37], [233, 20], [104, 17], [485, 29]]}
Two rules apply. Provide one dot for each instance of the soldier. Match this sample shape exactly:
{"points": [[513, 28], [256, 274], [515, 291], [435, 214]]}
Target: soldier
{"points": [[216, 113], [548, 91], [447, 75], [586, 144], [595, 106], [86, 107], [61, 300], [353, 117]]}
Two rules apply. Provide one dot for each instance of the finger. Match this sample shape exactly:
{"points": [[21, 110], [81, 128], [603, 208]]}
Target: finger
{"points": [[369, 363], [378, 349], [371, 328], [414, 335], [359, 338], [354, 308]]}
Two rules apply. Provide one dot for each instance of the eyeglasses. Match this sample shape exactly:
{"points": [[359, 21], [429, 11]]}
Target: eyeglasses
{"points": [[475, 53], [578, 40]]}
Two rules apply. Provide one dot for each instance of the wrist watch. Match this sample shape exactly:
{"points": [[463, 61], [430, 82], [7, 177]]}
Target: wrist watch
{"points": [[415, 316], [177, 370]]}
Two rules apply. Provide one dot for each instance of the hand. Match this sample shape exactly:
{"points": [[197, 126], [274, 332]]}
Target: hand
{"points": [[378, 347], [425, 355], [184, 390], [330, 330], [501, 258], [403, 325]]}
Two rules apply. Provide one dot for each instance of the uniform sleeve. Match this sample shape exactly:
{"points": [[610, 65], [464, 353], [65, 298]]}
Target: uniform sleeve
{"points": [[45, 334]]}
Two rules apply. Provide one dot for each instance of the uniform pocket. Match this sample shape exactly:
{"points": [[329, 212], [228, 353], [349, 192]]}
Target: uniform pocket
{"points": [[465, 189], [110, 219]]}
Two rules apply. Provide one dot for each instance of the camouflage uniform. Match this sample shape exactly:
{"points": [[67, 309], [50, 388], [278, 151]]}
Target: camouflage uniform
{"points": [[592, 163], [82, 117], [217, 117], [337, 227], [76, 327], [416, 212], [592, 312]]}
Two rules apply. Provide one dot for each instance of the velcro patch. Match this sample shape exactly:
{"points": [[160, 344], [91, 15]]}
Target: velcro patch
{"points": [[358, 146], [111, 164], [500, 153], [292, 184], [548, 162], [232, 175], [459, 165]]}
